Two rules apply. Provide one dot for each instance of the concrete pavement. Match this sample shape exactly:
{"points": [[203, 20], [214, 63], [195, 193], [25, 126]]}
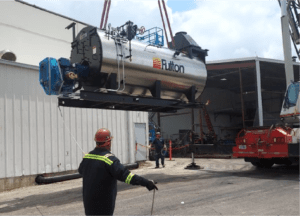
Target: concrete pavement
{"points": [[223, 187]]}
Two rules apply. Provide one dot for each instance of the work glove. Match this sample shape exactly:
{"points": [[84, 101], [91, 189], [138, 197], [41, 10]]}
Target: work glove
{"points": [[151, 185]]}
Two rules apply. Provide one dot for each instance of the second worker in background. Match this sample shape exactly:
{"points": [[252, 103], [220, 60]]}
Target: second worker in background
{"points": [[159, 146]]}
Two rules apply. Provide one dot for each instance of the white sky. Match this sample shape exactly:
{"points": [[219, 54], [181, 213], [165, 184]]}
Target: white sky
{"points": [[227, 28]]}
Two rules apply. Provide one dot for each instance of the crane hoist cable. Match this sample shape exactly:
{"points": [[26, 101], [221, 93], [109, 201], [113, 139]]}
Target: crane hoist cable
{"points": [[105, 12], [168, 22]]}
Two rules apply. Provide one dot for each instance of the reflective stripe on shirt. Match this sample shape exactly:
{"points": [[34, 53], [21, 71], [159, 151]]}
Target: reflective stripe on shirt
{"points": [[98, 157], [129, 177]]}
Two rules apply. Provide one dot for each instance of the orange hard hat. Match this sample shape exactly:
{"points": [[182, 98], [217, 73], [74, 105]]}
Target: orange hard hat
{"points": [[103, 135]]}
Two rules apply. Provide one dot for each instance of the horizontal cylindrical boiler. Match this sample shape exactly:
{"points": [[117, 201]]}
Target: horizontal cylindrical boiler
{"points": [[136, 66]]}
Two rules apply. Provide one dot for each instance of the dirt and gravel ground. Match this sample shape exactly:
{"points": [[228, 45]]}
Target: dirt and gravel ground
{"points": [[223, 187]]}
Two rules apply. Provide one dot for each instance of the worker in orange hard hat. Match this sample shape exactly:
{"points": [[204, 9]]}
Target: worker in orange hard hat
{"points": [[100, 170], [103, 136]]}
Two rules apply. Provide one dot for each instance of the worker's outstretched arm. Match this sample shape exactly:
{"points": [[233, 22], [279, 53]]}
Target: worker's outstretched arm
{"points": [[121, 173]]}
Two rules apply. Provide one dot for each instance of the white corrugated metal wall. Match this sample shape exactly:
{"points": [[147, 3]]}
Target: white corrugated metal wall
{"points": [[33, 137], [34, 34]]}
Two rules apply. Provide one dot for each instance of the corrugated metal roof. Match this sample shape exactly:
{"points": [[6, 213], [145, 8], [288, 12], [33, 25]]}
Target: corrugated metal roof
{"points": [[249, 59], [17, 64]]}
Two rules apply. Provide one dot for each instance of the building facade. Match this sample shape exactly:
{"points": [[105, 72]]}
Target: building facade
{"points": [[242, 93], [36, 136]]}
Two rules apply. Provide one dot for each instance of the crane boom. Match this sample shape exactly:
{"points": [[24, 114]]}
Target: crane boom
{"points": [[287, 50]]}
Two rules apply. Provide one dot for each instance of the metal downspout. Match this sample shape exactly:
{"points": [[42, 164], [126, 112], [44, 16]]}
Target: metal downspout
{"points": [[259, 96], [242, 97]]}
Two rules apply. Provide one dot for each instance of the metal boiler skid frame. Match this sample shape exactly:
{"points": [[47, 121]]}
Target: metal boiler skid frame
{"points": [[99, 100]]}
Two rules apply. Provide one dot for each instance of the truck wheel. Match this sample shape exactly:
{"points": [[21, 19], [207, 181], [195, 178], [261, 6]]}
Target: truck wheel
{"points": [[285, 162], [267, 163], [288, 163], [257, 164]]}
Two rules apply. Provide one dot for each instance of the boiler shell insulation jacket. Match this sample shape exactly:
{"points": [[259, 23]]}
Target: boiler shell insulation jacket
{"points": [[106, 54]]}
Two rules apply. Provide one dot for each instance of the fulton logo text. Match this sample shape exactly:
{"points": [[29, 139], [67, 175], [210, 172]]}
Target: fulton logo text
{"points": [[170, 66]]}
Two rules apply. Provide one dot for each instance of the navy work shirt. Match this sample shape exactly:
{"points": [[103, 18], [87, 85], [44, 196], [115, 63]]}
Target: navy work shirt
{"points": [[158, 144], [100, 170]]}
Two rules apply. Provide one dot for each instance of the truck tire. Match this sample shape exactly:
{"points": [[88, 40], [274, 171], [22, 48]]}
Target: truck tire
{"points": [[283, 161], [267, 163], [257, 164], [288, 163], [263, 163]]}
